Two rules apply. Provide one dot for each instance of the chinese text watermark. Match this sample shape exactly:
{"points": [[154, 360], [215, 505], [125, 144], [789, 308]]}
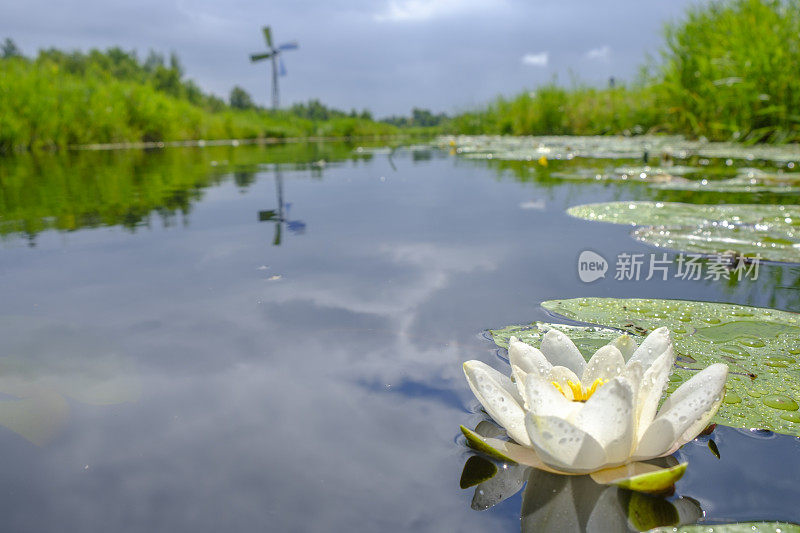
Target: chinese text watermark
{"points": [[691, 267]]}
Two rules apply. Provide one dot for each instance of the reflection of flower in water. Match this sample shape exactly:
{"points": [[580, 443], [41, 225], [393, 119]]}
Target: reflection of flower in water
{"points": [[557, 503], [43, 363], [574, 416]]}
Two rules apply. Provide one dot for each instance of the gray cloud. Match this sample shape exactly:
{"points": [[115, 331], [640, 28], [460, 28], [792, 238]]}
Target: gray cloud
{"points": [[388, 55]]}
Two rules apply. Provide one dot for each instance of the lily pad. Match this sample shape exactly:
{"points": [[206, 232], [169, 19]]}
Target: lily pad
{"points": [[748, 180], [770, 231], [760, 346], [746, 241], [739, 527], [663, 177], [643, 175], [525, 148]]}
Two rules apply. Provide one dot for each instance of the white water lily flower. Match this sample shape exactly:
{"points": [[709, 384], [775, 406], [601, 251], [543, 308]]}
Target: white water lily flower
{"points": [[581, 416]]}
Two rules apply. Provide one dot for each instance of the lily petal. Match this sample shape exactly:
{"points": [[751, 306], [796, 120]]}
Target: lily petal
{"points": [[504, 450], [561, 351], [545, 400], [519, 376], [625, 344], [656, 440], [652, 347], [563, 446], [633, 373], [717, 375], [608, 417], [527, 358], [494, 391], [696, 402], [712, 377], [605, 364], [652, 386]]}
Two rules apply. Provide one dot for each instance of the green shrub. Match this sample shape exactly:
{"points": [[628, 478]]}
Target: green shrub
{"points": [[63, 99], [727, 71], [730, 70]]}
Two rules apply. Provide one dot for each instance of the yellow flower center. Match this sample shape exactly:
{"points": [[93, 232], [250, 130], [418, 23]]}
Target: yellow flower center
{"points": [[579, 392]]}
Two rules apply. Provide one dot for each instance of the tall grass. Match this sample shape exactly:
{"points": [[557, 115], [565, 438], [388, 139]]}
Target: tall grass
{"points": [[554, 110], [44, 104], [728, 70]]}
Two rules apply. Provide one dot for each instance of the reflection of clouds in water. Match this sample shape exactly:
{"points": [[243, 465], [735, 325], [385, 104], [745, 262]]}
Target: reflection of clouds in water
{"points": [[420, 270], [43, 363], [272, 444], [264, 404], [263, 421], [413, 272]]}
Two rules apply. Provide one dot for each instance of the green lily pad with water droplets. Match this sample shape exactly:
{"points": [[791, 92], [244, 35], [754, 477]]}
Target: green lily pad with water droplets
{"points": [[760, 346], [744, 241], [739, 527], [524, 148], [769, 231], [769, 183]]}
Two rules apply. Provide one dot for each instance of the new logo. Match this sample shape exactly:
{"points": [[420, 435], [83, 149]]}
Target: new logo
{"points": [[591, 266]]}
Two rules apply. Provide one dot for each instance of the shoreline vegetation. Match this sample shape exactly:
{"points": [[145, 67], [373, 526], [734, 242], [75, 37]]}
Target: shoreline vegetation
{"points": [[726, 72], [63, 99]]}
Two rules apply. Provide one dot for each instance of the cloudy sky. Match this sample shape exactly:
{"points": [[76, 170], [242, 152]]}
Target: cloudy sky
{"points": [[385, 55]]}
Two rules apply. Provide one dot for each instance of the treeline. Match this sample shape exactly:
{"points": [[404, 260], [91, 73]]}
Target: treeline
{"points": [[59, 99], [420, 118], [727, 71]]}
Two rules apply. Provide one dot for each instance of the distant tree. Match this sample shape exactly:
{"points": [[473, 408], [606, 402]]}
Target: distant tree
{"points": [[419, 118], [153, 61], [317, 111], [365, 115], [168, 79], [424, 117], [397, 120], [9, 49], [240, 99], [117, 62], [175, 64], [193, 93], [214, 103]]}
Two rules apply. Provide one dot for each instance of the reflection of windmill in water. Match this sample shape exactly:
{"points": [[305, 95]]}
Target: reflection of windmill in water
{"points": [[281, 215], [275, 54]]}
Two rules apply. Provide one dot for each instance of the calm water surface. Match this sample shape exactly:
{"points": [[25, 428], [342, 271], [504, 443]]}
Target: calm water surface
{"points": [[179, 353]]}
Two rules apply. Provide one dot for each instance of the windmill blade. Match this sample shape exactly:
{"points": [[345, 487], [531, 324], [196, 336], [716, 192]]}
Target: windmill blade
{"points": [[288, 46], [267, 35], [281, 66], [259, 57]]}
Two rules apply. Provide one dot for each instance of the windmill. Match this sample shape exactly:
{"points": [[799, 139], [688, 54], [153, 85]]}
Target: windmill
{"points": [[274, 53]]}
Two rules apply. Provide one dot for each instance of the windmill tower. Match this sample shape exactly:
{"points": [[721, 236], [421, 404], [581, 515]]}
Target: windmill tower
{"points": [[275, 54]]}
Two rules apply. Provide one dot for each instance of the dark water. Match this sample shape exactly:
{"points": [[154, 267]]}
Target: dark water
{"points": [[176, 358]]}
